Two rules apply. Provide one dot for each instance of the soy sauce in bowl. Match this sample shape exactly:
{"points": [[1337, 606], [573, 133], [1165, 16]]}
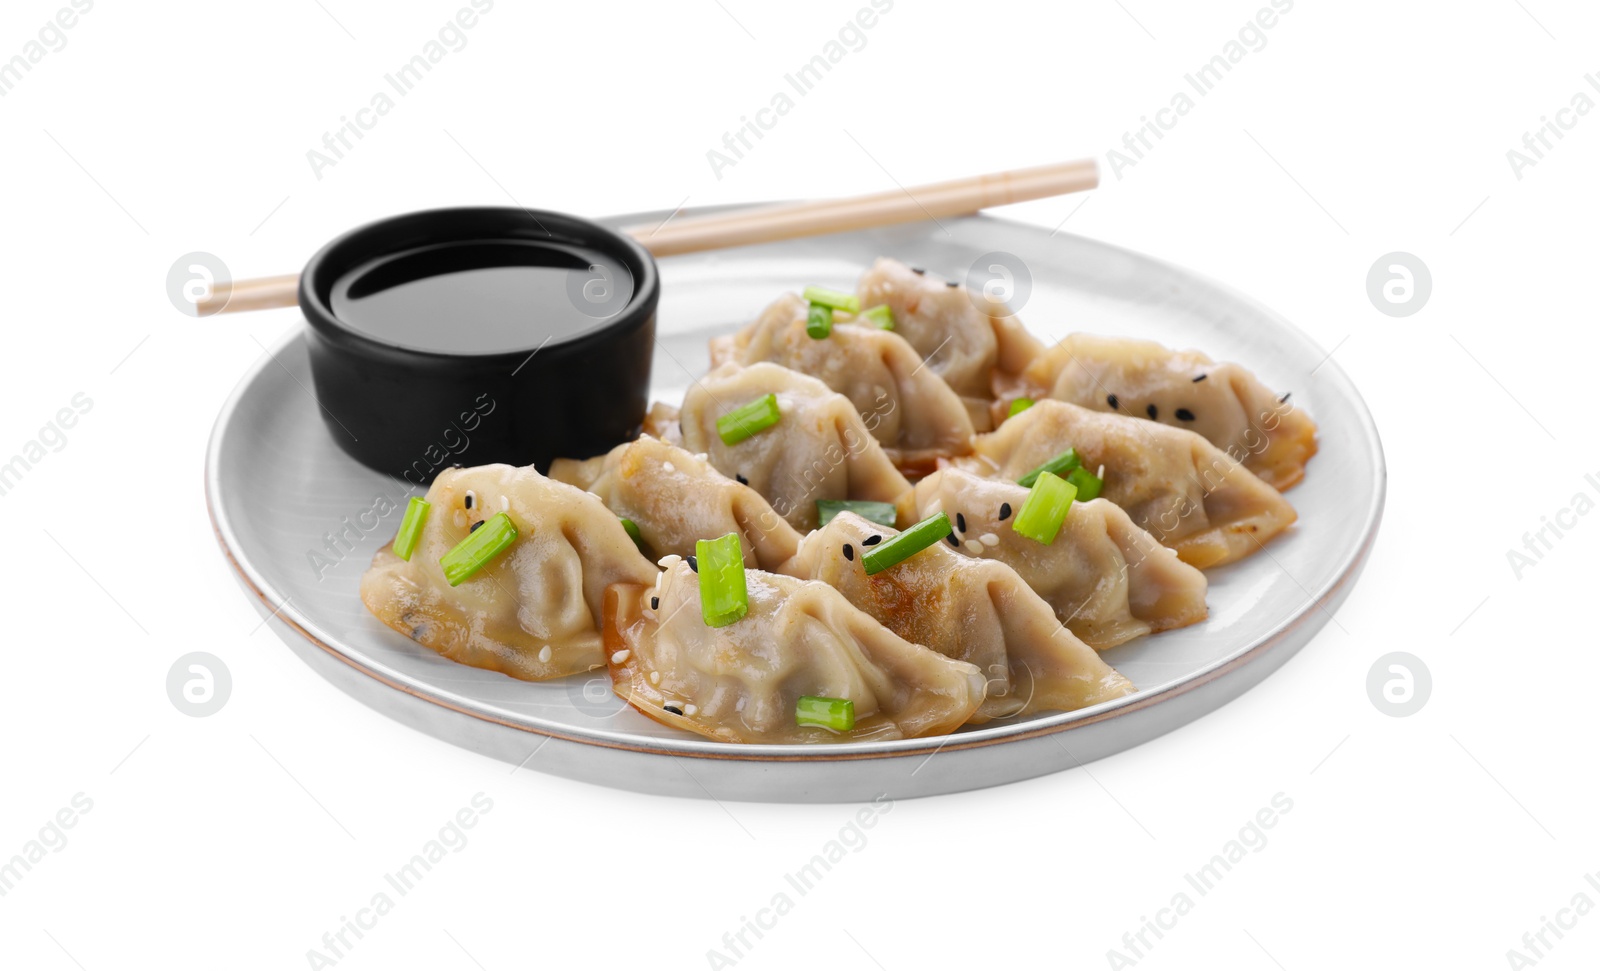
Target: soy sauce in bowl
{"points": [[482, 296], [471, 336]]}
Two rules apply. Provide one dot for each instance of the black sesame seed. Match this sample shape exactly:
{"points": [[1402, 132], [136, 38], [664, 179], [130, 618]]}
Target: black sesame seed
{"points": [[694, 563], [469, 500], [1005, 511], [961, 523], [951, 539], [849, 552], [739, 478], [672, 708], [1198, 378], [1284, 397], [1151, 411], [655, 603], [475, 526], [872, 540], [1184, 414], [918, 270], [952, 284], [1111, 400]]}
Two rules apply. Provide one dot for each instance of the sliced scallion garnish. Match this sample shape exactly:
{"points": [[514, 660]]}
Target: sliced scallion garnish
{"points": [[848, 302], [1019, 406], [834, 714], [723, 595], [819, 321], [405, 541], [1046, 508], [1061, 464], [481, 545], [881, 315], [632, 529], [907, 544], [1087, 483], [745, 420], [881, 513]]}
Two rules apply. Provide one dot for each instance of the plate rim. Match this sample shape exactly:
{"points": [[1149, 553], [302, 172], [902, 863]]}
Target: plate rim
{"points": [[695, 747]]}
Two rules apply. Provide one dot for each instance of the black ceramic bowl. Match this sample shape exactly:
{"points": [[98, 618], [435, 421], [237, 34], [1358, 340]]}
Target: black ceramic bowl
{"points": [[574, 388]]}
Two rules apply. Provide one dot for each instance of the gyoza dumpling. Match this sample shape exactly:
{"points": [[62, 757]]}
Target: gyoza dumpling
{"points": [[908, 408], [968, 339], [676, 498], [1108, 580], [1223, 403], [973, 610], [819, 449], [740, 683], [1180, 488], [534, 611]]}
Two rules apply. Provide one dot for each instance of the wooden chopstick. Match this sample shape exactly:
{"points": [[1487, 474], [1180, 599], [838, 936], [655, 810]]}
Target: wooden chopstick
{"points": [[766, 224]]}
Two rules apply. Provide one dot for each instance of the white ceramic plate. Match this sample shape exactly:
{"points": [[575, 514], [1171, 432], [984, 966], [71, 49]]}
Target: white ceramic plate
{"points": [[276, 484]]}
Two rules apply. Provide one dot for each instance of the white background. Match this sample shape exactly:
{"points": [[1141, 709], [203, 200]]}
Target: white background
{"points": [[1363, 127]]}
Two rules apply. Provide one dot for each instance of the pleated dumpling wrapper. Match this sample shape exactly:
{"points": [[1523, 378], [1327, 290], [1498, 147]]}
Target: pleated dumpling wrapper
{"points": [[1183, 490], [971, 340], [973, 610], [1223, 403], [676, 498], [533, 611], [911, 411], [1107, 580], [742, 682], [818, 448]]}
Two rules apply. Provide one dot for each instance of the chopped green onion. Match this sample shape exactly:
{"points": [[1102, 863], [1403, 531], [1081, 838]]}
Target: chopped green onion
{"points": [[1087, 483], [632, 529], [848, 302], [819, 321], [723, 595], [405, 541], [1019, 406], [1062, 463], [881, 513], [834, 714], [881, 315], [481, 545], [745, 420], [907, 544], [1046, 508]]}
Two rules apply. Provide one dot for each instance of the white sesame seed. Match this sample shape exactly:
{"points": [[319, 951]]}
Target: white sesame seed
{"points": [[460, 518], [669, 466], [973, 546], [667, 561], [691, 709], [1102, 473], [989, 539], [620, 657], [505, 504], [655, 677], [545, 654]]}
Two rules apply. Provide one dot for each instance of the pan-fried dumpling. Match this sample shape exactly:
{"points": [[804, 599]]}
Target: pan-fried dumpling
{"points": [[908, 408], [1177, 486], [973, 610], [969, 339], [1108, 580], [534, 611], [740, 683], [1223, 403], [819, 449], [676, 498]]}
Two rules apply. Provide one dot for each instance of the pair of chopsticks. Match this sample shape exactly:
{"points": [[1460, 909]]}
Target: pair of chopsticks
{"points": [[766, 224]]}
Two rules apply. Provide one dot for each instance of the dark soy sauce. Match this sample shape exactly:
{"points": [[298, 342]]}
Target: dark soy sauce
{"points": [[482, 296]]}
